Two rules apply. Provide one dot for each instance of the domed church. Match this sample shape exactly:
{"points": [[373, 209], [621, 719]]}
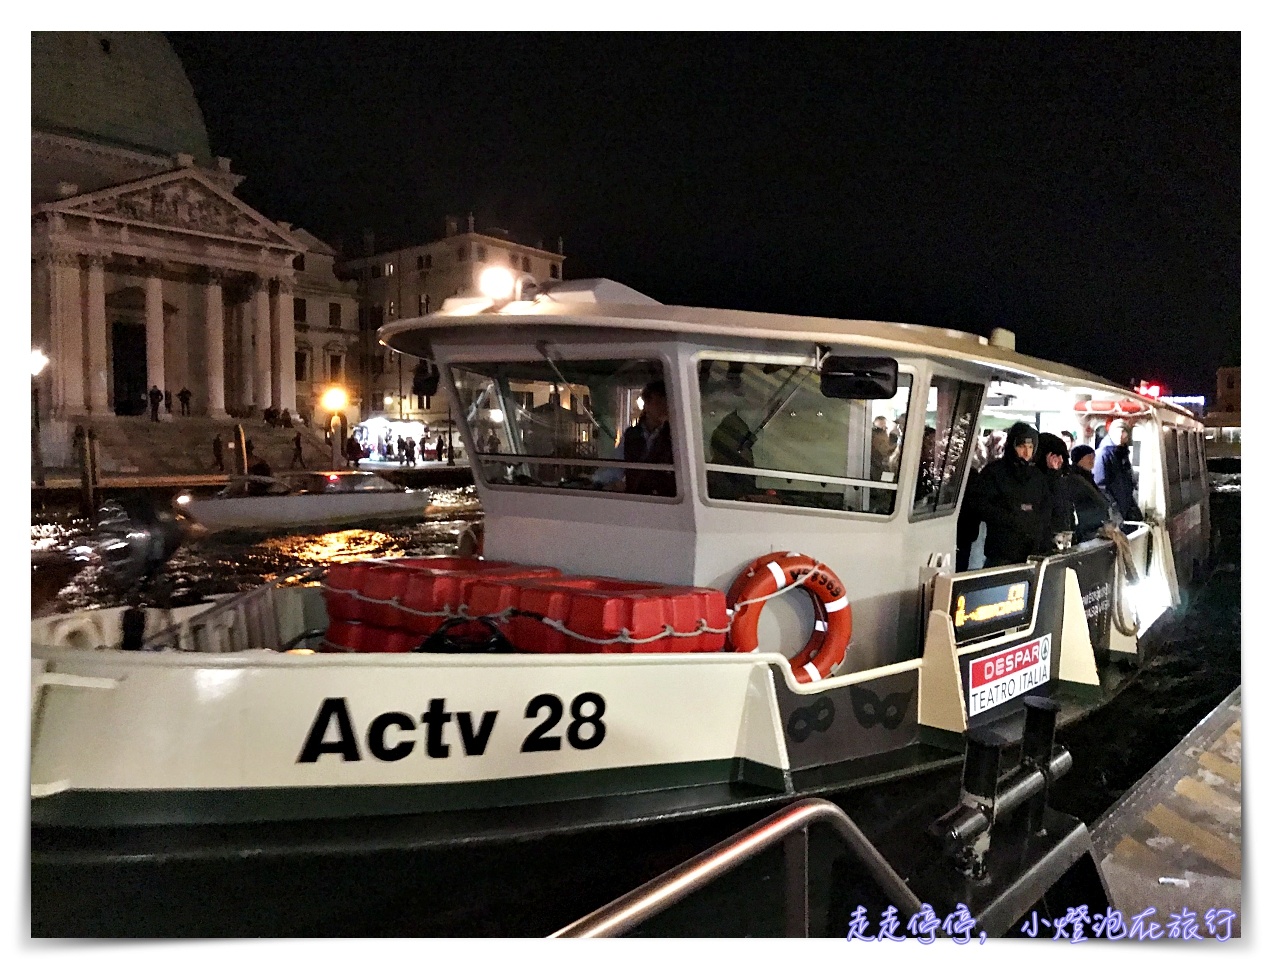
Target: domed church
{"points": [[147, 271]]}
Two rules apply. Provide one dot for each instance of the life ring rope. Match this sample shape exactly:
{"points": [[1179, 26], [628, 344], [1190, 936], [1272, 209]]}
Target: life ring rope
{"points": [[833, 618]]}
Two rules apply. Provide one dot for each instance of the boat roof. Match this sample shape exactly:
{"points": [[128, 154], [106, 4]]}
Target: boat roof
{"points": [[606, 304]]}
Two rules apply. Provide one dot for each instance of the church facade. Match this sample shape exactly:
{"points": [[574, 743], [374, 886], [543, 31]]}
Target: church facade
{"points": [[147, 271]]}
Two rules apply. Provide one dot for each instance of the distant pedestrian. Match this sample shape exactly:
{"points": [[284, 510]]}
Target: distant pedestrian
{"points": [[286, 418], [218, 454], [184, 397], [168, 401], [402, 450], [437, 455], [298, 456], [353, 451], [492, 443], [156, 399], [411, 452]]}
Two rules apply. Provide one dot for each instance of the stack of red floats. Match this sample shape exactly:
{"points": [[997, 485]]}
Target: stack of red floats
{"points": [[379, 606]]}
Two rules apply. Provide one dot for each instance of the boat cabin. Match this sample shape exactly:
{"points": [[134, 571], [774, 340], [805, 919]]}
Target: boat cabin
{"points": [[847, 441]]}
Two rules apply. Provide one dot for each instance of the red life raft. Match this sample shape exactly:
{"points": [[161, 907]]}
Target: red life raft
{"points": [[595, 614], [393, 593], [392, 605]]}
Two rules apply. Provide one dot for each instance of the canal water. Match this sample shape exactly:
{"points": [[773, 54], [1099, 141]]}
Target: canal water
{"points": [[535, 888]]}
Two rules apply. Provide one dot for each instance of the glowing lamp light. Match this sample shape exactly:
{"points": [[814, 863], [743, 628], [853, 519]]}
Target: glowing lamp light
{"points": [[333, 478], [335, 399], [183, 499], [497, 416], [388, 399], [496, 283], [38, 361]]}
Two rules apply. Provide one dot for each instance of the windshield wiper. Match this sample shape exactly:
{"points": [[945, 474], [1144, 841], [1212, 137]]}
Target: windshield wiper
{"points": [[542, 347]]}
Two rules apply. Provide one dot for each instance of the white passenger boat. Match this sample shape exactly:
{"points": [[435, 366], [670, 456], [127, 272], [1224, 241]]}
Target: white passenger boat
{"points": [[318, 498], [770, 609]]}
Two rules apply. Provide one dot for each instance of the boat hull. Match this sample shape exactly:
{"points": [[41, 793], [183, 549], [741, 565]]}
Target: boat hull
{"points": [[288, 511]]}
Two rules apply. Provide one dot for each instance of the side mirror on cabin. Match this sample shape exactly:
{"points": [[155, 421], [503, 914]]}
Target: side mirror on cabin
{"points": [[859, 378]]}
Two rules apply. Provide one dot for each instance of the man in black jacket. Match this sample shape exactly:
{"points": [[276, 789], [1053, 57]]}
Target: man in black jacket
{"points": [[1013, 499], [1113, 472]]}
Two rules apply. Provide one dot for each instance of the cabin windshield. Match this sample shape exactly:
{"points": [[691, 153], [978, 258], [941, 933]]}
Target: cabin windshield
{"points": [[797, 447], [569, 424]]}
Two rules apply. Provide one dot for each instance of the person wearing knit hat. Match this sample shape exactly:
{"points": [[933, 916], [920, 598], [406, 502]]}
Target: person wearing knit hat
{"points": [[1013, 499], [1091, 507], [1113, 470]]}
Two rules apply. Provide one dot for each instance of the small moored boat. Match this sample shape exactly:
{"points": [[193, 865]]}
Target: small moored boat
{"points": [[308, 499]]}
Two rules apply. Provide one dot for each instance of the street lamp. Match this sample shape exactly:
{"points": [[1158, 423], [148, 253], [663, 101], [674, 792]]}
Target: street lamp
{"points": [[335, 400], [38, 362]]}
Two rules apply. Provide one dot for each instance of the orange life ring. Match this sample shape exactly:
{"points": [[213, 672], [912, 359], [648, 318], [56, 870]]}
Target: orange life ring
{"points": [[1125, 408], [833, 618]]}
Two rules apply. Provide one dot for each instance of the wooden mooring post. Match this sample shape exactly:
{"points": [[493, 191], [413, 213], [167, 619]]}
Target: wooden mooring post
{"points": [[86, 457]]}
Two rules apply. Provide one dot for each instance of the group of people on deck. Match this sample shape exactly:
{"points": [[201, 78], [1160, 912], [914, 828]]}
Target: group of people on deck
{"points": [[1041, 494]]}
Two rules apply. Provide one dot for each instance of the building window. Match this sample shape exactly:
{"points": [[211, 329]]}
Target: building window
{"points": [[462, 253], [299, 262], [428, 261], [481, 254], [298, 309], [1228, 383], [421, 310], [525, 264], [375, 272], [333, 316], [554, 271], [393, 309], [388, 269], [419, 262], [512, 260], [302, 366], [336, 367]]}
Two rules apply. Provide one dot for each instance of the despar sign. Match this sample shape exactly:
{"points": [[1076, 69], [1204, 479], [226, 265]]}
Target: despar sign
{"points": [[999, 677]]}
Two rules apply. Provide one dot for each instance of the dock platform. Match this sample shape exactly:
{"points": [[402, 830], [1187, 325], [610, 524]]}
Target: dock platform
{"points": [[1174, 841]]}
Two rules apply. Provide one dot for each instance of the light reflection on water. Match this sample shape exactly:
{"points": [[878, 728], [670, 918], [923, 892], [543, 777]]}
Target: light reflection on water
{"points": [[229, 562]]}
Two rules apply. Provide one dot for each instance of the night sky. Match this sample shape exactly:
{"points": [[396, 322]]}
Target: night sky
{"points": [[1081, 189]]}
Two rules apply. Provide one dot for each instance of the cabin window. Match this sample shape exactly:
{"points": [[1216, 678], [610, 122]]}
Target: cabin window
{"points": [[949, 422], [1171, 465], [770, 437], [567, 424]]}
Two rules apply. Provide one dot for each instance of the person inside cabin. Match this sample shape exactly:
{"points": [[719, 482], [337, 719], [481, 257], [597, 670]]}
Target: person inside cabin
{"points": [[1069, 439], [1091, 507], [650, 441], [1053, 459], [1013, 499], [1113, 472], [731, 444]]}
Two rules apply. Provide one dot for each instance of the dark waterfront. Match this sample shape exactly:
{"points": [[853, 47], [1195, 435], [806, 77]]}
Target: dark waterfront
{"points": [[534, 888], [229, 562]]}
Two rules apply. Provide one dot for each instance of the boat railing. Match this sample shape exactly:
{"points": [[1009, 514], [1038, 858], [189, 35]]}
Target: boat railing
{"points": [[790, 826], [258, 619]]}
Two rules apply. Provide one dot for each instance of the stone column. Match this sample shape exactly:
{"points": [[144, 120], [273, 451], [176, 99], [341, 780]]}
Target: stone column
{"points": [[247, 358], [98, 397], [261, 329], [68, 333], [214, 342], [154, 336], [286, 346]]}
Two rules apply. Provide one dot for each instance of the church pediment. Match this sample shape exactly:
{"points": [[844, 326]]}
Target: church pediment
{"points": [[182, 200]]}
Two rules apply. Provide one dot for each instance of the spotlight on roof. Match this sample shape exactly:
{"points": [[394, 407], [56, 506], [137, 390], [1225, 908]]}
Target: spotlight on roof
{"points": [[496, 283]]}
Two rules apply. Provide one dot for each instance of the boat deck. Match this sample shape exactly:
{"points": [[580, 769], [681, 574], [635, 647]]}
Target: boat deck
{"points": [[1174, 841]]}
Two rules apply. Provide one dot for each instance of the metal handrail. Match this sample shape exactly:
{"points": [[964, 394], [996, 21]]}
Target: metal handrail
{"points": [[791, 823]]}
